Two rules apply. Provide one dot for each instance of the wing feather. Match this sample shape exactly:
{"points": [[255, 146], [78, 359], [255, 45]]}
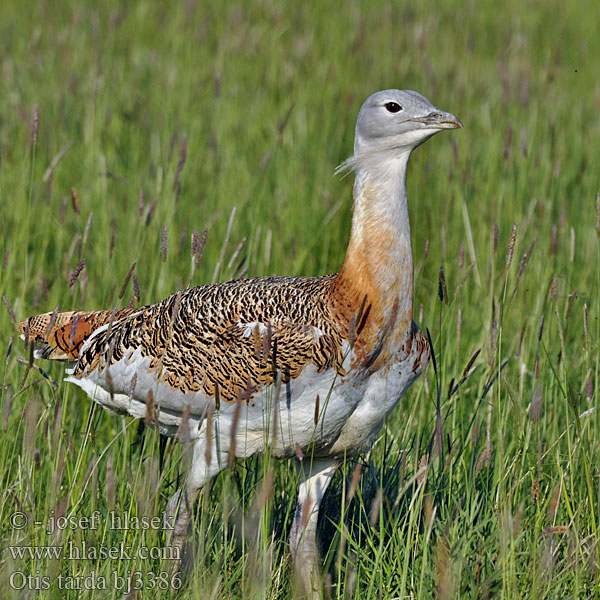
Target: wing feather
{"points": [[230, 337], [61, 335]]}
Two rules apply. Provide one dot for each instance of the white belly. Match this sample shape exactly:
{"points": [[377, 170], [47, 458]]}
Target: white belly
{"points": [[315, 412]]}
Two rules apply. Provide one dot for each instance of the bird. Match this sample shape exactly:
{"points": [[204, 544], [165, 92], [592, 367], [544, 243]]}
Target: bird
{"points": [[306, 368]]}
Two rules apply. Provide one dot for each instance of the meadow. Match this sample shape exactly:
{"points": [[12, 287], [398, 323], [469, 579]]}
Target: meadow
{"points": [[128, 130]]}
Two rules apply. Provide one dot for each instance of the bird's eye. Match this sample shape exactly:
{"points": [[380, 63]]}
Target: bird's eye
{"points": [[393, 107]]}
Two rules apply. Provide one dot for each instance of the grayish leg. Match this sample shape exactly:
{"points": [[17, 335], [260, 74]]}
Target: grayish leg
{"points": [[315, 477], [179, 514], [205, 465]]}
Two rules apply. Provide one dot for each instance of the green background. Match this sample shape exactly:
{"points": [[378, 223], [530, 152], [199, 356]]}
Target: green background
{"points": [[161, 119]]}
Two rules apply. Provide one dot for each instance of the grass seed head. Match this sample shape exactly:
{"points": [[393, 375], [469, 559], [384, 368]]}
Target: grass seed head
{"points": [[35, 125], [534, 408], [553, 503], [183, 433], [88, 225], [443, 569], [141, 204], [73, 329], [455, 149], [525, 258], [209, 434], [136, 287], [9, 308], [422, 470], [111, 245], [151, 211], [110, 483], [535, 491], [570, 305], [75, 200], [554, 289], [149, 417], [429, 512], [200, 248], [524, 142], [266, 489], [460, 261], [52, 321], [443, 241], [163, 244], [541, 329], [484, 459], [442, 289], [76, 272], [511, 245], [375, 506], [475, 431], [305, 511], [234, 428], [355, 480]]}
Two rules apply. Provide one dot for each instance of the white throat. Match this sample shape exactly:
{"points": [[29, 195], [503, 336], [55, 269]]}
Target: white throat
{"points": [[380, 193]]}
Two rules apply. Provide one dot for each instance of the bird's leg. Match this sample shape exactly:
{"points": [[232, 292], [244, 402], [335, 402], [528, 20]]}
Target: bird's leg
{"points": [[207, 460], [178, 517], [315, 476]]}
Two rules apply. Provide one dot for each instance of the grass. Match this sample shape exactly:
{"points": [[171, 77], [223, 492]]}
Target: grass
{"points": [[124, 129]]}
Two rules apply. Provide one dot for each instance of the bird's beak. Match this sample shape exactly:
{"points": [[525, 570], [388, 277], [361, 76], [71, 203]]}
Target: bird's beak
{"points": [[440, 120]]}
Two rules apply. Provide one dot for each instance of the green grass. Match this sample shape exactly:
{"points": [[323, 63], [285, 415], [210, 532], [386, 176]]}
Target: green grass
{"points": [[205, 107]]}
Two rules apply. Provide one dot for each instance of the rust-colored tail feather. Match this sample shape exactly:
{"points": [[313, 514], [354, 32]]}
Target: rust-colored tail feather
{"points": [[60, 336]]}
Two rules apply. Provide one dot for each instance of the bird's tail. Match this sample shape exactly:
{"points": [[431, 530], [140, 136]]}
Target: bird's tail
{"points": [[60, 335]]}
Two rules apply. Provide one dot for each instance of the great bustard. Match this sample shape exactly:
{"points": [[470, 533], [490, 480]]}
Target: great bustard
{"points": [[344, 347]]}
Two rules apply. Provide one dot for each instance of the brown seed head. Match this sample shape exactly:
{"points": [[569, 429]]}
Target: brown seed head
{"points": [[442, 289], [136, 287], [35, 126], [76, 272], [511, 245], [163, 244], [9, 308], [141, 204], [75, 200]]}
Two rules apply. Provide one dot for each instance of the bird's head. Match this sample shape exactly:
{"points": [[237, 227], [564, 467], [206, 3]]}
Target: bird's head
{"points": [[398, 120]]}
